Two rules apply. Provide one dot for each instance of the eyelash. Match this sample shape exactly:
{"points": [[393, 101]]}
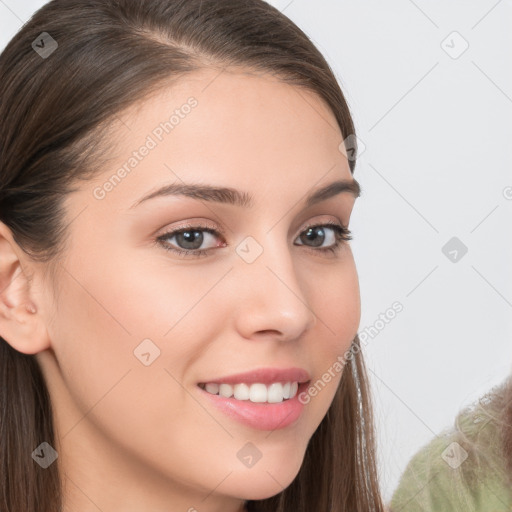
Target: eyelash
{"points": [[342, 235]]}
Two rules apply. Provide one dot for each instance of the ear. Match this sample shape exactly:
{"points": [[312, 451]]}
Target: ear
{"points": [[21, 322]]}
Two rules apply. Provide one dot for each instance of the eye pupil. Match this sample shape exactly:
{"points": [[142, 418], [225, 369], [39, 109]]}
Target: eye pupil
{"points": [[310, 234], [190, 237]]}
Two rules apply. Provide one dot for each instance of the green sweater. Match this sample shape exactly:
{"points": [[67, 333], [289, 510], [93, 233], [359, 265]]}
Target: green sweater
{"points": [[463, 469]]}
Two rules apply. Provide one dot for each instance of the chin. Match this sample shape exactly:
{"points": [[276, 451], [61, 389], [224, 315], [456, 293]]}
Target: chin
{"points": [[259, 483]]}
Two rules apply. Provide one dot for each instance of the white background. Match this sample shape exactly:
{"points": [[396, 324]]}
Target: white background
{"points": [[437, 160]]}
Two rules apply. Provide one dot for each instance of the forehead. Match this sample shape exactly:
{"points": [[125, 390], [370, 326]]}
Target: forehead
{"points": [[236, 128], [237, 103]]}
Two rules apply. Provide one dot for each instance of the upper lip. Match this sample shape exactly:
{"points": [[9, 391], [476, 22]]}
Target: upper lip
{"points": [[264, 376]]}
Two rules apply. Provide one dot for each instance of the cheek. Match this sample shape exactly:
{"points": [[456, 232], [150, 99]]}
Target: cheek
{"points": [[104, 313], [110, 308], [336, 302], [113, 311]]}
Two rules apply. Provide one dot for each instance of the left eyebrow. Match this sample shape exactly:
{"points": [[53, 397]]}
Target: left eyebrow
{"points": [[243, 199]]}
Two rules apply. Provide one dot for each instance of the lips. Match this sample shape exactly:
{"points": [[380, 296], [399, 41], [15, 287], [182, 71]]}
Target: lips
{"points": [[263, 376], [259, 416], [266, 415]]}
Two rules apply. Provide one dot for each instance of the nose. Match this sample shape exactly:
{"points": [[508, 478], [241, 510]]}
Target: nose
{"points": [[271, 297]]}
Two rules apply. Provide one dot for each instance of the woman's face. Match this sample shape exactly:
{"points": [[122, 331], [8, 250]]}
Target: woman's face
{"points": [[135, 328]]}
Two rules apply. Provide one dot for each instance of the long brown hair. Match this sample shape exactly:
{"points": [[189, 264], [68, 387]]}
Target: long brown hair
{"points": [[56, 105]]}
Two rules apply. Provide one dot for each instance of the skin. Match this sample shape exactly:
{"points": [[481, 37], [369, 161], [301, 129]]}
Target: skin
{"points": [[144, 438]]}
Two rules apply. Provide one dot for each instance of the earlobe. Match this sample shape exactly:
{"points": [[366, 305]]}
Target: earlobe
{"points": [[21, 325]]}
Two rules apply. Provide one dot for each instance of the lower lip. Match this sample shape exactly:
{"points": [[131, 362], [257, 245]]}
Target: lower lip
{"points": [[263, 415]]}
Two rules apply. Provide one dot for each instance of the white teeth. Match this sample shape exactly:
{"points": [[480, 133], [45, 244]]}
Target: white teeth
{"points": [[241, 392], [286, 390], [275, 393], [226, 390], [258, 393], [212, 388]]}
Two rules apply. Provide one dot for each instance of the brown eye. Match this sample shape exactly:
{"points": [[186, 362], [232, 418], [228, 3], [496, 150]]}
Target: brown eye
{"points": [[318, 234], [188, 240]]}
